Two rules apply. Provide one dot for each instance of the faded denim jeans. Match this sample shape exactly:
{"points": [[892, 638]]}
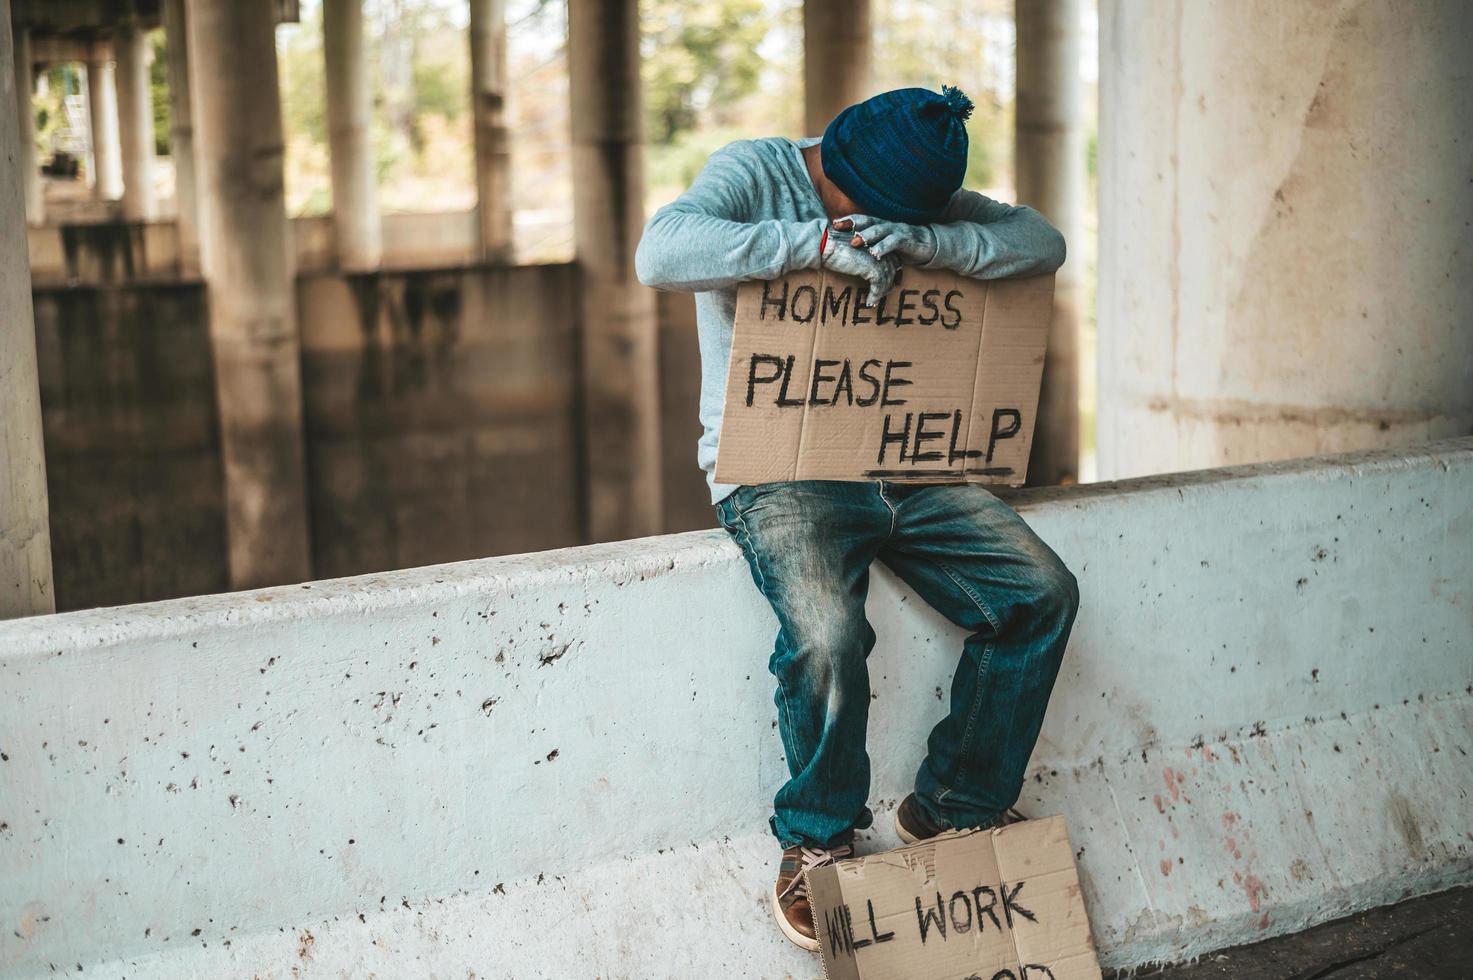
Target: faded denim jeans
{"points": [[810, 544]]}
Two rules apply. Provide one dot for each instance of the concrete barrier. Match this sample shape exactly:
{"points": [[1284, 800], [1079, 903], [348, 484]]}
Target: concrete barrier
{"points": [[559, 764]]}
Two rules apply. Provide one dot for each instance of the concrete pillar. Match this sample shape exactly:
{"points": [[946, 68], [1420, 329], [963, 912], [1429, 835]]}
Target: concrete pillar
{"points": [[349, 121], [181, 132], [26, 162], [1049, 161], [245, 253], [1286, 220], [135, 122], [620, 375], [493, 145], [25, 533], [836, 59], [102, 108]]}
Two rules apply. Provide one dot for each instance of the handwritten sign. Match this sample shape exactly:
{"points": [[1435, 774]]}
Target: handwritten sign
{"points": [[937, 383], [976, 905]]}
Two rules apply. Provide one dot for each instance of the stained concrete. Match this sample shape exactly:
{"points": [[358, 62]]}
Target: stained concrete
{"points": [[441, 414], [440, 417], [1263, 722], [1286, 222], [132, 443], [1419, 939]]}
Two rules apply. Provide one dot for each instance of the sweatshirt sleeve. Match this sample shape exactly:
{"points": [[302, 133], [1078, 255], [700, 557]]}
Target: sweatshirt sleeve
{"points": [[703, 239], [986, 239]]}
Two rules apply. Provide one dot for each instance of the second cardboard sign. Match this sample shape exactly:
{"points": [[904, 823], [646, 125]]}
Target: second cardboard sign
{"points": [[975, 905], [937, 383]]}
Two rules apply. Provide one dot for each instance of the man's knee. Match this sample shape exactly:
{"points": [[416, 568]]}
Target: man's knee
{"points": [[822, 645], [1055, 591]]}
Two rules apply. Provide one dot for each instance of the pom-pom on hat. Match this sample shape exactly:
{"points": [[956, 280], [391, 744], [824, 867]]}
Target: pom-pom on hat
{"points": [[902, 154]]}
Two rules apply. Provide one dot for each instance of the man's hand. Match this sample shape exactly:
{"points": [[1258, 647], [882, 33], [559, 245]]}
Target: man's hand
{"points": [[878, 271], [911, 244]]}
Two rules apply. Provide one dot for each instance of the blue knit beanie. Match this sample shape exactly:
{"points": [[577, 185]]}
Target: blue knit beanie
{"points": [[902, 154]]}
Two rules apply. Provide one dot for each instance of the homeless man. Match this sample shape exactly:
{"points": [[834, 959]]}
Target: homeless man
{"points": [[881, 188]]}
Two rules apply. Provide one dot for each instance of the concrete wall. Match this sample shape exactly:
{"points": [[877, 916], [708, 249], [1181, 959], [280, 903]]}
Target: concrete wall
{"points": [[1286, 225], [549, 765], [108, 251], [440, 409], [132, 442]]}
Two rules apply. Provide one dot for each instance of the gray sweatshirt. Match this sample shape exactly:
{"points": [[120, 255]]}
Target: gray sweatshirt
{"points": [[753, 213]]}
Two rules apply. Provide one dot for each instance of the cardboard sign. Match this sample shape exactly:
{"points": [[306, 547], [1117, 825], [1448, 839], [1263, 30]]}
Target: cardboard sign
{"points": [[938, 383], [974, 905]]}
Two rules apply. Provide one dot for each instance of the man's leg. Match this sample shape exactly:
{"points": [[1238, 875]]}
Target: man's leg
{"points": [[809, 545], [971, 557]]}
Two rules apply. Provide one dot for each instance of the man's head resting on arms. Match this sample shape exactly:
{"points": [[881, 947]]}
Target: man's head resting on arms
{"points": [[901, 155], [885, 169]]}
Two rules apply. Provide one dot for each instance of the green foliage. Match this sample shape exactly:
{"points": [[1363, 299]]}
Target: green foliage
{"points": [[697, 59], [302, 78], [441, 87], [158, 87]]}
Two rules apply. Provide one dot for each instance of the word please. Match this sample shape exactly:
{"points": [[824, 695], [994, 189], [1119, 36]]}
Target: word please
{"points": [[874, 384]]}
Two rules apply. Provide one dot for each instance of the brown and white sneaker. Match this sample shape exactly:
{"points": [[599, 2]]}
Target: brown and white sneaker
{"points": [[914, 826], [790, 892]]}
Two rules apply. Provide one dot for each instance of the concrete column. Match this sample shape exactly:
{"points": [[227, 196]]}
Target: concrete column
{"points": [[620, 375], [245, 253], [493, 146], [25, 533], [349, 120], [26, 162], [135, 122], [1284, 235], [1050, 166], [181, 132], [102, 107], [836, 59]]}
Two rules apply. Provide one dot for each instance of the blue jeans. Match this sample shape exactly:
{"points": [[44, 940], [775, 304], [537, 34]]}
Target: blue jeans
{"points": [[810, 544]]}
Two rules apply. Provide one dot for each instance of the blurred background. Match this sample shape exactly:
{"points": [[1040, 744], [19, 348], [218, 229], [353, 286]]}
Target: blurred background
{"points": [[325, 288]]}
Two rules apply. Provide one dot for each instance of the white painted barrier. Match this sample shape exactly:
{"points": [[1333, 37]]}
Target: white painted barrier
{"points": [[559, 765]]}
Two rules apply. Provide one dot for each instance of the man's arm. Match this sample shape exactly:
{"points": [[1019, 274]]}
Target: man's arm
{"points": [[986, 239], [702, 241]]}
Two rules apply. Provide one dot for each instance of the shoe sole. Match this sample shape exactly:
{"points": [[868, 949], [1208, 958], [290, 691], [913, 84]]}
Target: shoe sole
{"points": [[794, 936], [905, 835]]}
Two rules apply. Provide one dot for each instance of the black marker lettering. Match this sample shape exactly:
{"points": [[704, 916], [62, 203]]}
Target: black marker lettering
{"points": [[989, 910], [845, 385], [924, 435], [818, 378], [888, 437], [798, 294], [926, 916], [957, 322], [783, 400], [849, 930], [874, 382], [928, 299], [952, 453], [874, 930], [753, 381], [901, 306], [780, 303], [957, 927], [833, 308], [1010, 904], [895, 382], [998, 433]]}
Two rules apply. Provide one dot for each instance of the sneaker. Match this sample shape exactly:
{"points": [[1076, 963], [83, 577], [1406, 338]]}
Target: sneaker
{"points": [[914, 825], [790, 892]]}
